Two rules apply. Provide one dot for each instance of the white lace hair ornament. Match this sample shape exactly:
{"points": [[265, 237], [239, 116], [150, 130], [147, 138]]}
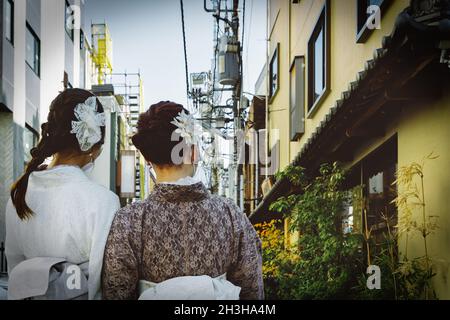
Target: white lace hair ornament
{"points": [[188, 128], [88, 127]]}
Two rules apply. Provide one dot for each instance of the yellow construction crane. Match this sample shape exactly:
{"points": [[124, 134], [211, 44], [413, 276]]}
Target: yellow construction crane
{"points": [[101, 50]]}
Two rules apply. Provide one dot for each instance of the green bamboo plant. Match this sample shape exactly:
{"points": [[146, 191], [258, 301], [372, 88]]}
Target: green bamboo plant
{"points": [[415, 273]]}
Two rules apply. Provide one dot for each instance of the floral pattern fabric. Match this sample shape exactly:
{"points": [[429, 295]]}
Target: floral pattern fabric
{"points": [[181, 231]]}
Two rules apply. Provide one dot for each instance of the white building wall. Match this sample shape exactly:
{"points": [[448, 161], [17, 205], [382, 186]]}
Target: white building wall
{"points": [[52, 53], [102, 169], [20, 13]]}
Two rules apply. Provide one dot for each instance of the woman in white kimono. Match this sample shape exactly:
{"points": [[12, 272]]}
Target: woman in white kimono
{"points": [[55, 211]]}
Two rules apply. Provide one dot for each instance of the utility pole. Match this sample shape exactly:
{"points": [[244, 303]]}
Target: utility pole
{"points": [[236, 107], [228, 61]]}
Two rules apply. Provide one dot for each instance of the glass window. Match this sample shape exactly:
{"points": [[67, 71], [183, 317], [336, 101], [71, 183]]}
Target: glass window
{"points": [[379, 174], [318, 63], [9, 21], [81, 40], [371, 194], [274, 80], [33, 50], [30, 140]]}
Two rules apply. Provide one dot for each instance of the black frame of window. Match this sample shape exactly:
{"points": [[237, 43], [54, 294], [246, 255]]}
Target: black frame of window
{"points": [[11, 3], [82, 39], [35, 135], [70, 32], [297, 120], [275, 56], [362, 32], [37, 42], [323, 23]]}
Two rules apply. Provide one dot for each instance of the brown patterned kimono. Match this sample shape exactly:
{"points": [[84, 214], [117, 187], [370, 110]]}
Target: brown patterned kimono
{"points": [[181, 231]]}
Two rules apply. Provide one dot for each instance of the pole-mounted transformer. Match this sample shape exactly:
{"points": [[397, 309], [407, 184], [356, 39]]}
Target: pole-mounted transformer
{"points": [[228, 60]]}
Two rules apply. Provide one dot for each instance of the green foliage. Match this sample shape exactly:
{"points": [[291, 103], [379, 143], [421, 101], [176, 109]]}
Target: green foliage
{"points": [[278, 261], [327, 266]]}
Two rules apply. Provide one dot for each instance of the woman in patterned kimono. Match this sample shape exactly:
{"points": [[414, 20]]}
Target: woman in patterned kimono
{"points": [[180, 231]]}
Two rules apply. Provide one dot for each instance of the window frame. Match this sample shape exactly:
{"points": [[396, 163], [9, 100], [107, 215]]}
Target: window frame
{"points": [[11, 26], [362, 32], [323, 23], [275, 54], [82, 40], [382, 159], [298, 84], [37, 41], [29, 130]]}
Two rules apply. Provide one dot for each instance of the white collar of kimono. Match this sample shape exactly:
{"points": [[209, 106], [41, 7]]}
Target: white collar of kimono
{"points": [[186, 181], [57, 175]]}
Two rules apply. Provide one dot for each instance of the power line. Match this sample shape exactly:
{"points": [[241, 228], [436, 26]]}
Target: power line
{"points": [[216, 49], [185, 50]]}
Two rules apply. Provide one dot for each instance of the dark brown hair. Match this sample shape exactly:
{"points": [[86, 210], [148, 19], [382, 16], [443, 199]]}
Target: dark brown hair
{"points": [[154, 132], [56, 137]]}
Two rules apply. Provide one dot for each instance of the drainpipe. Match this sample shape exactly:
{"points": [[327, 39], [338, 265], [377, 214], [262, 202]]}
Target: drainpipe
{"points": [[267, 86]]}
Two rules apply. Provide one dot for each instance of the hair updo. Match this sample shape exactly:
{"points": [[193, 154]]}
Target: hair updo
{"points": [[56, 138], [154, 132]]}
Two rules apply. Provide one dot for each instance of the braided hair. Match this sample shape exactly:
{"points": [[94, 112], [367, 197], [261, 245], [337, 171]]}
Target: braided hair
{"points": [[56, 138]]}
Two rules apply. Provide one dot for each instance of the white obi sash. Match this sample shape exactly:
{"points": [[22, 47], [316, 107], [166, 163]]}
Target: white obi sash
{"points": [[190, 288], [48, 279]]}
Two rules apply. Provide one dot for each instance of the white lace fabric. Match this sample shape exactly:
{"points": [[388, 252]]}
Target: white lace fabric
{"points": [[88, 127], [188, 128]]}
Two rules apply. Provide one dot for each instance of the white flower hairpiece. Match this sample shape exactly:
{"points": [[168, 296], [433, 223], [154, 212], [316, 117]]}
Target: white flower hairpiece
{"points": [[188, 128], [87, 128]]}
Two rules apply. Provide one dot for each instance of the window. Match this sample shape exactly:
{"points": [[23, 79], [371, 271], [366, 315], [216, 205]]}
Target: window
{"points": [[297, 98], [33, 50], [274, 73], [82, 40], [9, 21], [363, 12], [379, 171], [371, 194], [30, 140], [69, 20], [318, 61]]}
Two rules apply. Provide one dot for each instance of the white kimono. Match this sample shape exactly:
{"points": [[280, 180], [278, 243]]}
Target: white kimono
{"points": [[72, 218]]}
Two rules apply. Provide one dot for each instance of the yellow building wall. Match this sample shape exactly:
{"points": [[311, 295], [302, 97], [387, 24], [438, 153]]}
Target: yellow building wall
{"points": [[279, 104], [423, 130], [292, 28]]}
